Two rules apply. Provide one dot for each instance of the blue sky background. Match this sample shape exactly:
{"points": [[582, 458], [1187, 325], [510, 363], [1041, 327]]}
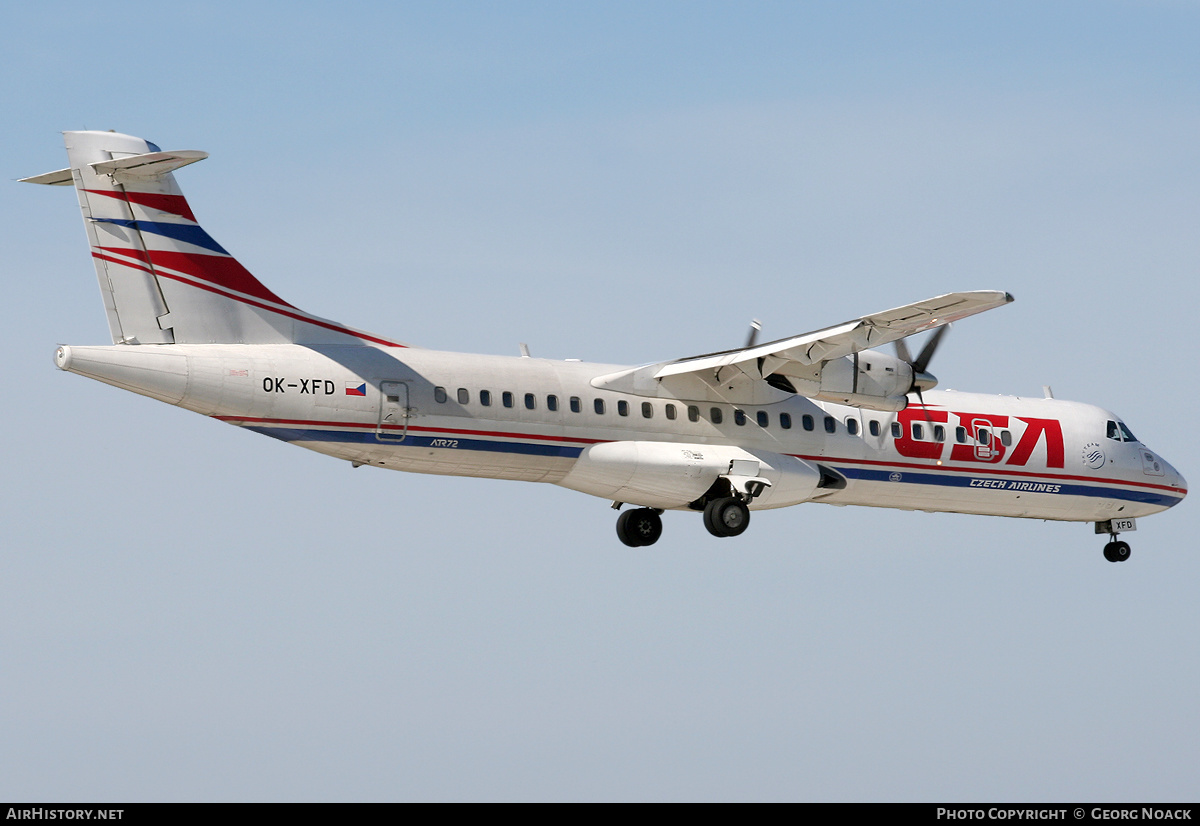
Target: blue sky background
{"points": [[192, 612]]}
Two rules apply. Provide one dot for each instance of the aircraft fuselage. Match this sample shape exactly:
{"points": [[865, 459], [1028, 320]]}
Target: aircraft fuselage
{"points": [[529, 419]]}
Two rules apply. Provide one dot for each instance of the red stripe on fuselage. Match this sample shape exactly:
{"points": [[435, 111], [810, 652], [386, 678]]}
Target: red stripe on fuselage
{"points": [[1058, 477], [990, 471], [370, 426]]}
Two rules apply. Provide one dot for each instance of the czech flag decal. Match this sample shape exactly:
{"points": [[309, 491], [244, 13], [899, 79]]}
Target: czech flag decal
{"points": [[353, 389]]}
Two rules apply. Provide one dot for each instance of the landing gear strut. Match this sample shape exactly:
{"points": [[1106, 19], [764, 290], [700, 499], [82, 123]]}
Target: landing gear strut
{"points": [[639, 527]]}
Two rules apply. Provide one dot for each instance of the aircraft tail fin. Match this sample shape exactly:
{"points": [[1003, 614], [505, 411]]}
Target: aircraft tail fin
{"points": [[163, 278]]}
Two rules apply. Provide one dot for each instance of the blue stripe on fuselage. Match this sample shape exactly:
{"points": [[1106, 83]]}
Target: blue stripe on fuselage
{"points": [[905, 475], [288, 434], [1009, 486]]}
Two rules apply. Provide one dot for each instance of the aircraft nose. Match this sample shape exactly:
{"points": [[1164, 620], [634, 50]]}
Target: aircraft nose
{"points": [[1175, 479], [1180, 482]]}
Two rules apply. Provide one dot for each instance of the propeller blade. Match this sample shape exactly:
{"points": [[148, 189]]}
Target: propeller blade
{"points": [[929, 349]]}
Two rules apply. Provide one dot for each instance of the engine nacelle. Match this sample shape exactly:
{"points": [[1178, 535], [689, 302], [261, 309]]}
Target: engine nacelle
{"points": [[874, 380], [670, 475]]}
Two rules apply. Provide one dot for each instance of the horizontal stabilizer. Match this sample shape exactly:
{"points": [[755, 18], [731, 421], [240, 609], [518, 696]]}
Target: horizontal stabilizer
{"points": [[59, 177], [148, 166]]}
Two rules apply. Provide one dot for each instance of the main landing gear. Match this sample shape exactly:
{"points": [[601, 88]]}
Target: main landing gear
{"points": [[639, 527], [724, 516]]}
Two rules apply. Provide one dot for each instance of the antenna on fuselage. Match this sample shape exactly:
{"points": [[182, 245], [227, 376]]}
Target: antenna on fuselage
{"points": [[755, 329], [524, 350]]}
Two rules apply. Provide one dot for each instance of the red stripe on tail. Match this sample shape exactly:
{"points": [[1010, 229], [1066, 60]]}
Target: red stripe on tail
{"points": [[174, 204]]}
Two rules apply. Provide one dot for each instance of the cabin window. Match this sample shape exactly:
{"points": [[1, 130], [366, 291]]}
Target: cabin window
{"points": [[598, 406], [670, 411], [763, 419], [830, 424], [552, 403], [1006, 438], [439, 395], [716, 415], [506, 398], [897, 431], [785, 421], [622, 408], [485, 398], [647, 410], [739, 417], [576, 405], [918, 431], [960, 435], [873, 426], [530, 401], [939, 433], [852, 426], [983, 436], [807, 421], [693, 413], [464, 395]]}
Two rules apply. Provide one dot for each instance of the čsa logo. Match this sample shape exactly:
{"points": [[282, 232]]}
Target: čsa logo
{"points": [[982, 445]]}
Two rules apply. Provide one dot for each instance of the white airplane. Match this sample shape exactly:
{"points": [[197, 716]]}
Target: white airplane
{"points": [[819, 417]]}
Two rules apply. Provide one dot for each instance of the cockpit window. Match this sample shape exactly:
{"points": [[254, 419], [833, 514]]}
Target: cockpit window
{"points": [[1118, 432]]}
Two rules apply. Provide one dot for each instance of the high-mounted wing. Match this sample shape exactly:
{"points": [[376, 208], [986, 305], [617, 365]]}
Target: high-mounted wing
{"points": [[827, 364]]}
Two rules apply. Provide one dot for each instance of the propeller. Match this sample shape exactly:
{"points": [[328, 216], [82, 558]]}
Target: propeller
{"points": [[922, 379]]}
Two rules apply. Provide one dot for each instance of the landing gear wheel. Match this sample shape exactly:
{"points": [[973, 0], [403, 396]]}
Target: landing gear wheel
{"points": [[639, 527], [1116, 551], [726, 516]]}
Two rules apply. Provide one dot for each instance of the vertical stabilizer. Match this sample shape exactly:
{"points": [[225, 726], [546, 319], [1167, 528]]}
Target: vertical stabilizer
{"points": [[163, 278]]}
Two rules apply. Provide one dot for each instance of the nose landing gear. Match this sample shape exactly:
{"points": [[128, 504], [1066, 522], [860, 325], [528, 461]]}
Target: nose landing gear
{"points": [[1115, 550]]}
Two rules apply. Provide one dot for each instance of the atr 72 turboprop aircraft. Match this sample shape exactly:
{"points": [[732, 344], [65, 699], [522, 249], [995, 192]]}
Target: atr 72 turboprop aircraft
{"points": [[819, 417]]}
